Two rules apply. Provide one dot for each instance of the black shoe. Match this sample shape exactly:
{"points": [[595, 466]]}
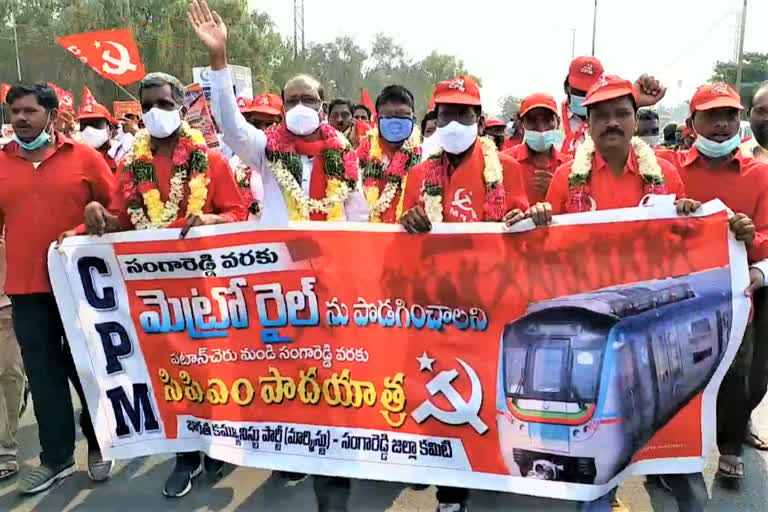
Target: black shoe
{"points": [[179, 482], [213, 466], [292, 477]]}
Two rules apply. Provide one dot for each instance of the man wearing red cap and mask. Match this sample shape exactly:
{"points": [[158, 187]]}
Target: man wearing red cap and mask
{"points": [[539, 154], [263, 112], [468, 180], [299, 182], [97, 127], [715, 168], [583, 73], [494, 129]]}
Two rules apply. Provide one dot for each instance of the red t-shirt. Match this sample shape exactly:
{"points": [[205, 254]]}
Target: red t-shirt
{"points": [[37, 205], [741, 183], [531, 163], [223, 193], [608, 190], [464, 195]]}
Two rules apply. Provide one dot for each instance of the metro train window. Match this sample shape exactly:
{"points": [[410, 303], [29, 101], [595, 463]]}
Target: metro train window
{"points": [[547, 370], [584, 375], [514, 365], [700, 327]]}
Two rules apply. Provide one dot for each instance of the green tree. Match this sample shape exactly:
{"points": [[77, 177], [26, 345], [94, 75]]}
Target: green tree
{"points": [[754, 73], [509, 106]]}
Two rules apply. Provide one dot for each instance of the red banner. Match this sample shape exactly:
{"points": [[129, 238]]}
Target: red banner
{"points": [[525, 362], [111, 53], [121, 108]]}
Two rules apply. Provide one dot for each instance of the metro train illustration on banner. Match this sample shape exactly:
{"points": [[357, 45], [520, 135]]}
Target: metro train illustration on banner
{"points": [[586, 380]]}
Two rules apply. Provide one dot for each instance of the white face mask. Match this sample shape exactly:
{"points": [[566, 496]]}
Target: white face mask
{"points": [[162, 123], [302, 120], [95, 137], [455, 138]]}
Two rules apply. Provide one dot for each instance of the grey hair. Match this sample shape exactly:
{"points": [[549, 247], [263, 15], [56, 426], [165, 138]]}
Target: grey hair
{"points": [[178, 92]]}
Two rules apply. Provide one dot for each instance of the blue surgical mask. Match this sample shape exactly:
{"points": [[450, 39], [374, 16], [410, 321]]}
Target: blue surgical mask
{"points": [[542, 141], [712, 149], [577, 105], [39, 141], [395, 129]]}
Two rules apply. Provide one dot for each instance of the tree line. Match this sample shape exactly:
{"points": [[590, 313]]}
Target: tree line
{"points": [[168, 44]]}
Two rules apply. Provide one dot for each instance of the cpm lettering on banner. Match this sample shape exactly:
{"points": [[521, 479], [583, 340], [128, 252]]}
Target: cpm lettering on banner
{"points": [[117, 345]]}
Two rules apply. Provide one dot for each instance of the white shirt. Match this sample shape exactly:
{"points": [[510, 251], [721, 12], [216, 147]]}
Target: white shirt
{"points": [[121, 145], [249, 143]]}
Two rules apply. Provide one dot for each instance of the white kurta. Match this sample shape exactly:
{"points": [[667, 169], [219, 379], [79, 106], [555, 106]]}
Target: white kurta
{"points": [[249, 143]]}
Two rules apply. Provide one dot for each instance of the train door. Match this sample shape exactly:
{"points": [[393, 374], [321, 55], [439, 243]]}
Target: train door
{"points": [[675, 358], [644, 385], [663, 374]]}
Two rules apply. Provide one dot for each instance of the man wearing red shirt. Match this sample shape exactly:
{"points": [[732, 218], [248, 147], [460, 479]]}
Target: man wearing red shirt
{"points": [[494, 129], [454, 186], [583, 73], [97, 126], [539, 153], [162, 102], [715, 168], [468, 181], [613, 169], [46, 179]]}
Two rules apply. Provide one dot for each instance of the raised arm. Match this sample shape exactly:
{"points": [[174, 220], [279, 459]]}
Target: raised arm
{"points": [[245, 140]]}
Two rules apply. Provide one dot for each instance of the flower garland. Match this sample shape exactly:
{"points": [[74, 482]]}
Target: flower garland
{"points": [[495, 204], [145, 207], [374, 163], [341, 172], [243, 179], [579, 199]]}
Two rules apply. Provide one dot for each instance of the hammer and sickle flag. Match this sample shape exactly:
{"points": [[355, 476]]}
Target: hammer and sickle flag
{"points": [[111, 53]]}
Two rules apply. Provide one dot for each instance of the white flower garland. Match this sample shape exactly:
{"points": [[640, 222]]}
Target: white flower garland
{"points": [[649, 167], [493, 175], [304, 203]]}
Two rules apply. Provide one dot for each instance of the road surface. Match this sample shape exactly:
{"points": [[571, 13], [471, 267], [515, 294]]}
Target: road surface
{"points": [[136, 486]]}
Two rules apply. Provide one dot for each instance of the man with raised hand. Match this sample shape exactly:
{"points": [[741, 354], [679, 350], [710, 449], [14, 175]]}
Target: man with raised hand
{"points": [[300, 182]]}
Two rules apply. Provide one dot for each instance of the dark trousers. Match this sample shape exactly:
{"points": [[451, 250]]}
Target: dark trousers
{"points": [[758, 375], [733, 399], [49, 366], [332, 493], [451, 494], [689, 490]]}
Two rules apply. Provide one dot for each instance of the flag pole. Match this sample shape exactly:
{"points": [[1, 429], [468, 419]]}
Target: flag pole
{"points": [[126, 91], [16, 44]]}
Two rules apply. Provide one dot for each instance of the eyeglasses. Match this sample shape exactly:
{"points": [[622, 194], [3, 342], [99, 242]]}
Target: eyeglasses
{"points": [[310, 101]]}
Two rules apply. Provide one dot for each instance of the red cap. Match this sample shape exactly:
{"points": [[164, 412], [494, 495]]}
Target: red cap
{"points": [[584, 72], [717, 95], [270, 104], [609, 87], [490, 123], [95, 111], [538, 100], [242, 102], [461, 90]]}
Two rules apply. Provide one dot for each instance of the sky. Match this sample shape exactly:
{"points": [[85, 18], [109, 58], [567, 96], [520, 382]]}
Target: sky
{"points": [[519, 47]]}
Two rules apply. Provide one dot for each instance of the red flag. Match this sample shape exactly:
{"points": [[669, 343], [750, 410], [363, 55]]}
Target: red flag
{"points": [[4, 88], [111, 53], [66, 99], [365, 99], [88, 99]]}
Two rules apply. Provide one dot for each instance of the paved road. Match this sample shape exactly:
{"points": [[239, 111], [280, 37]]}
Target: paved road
{"points": [[136, 486]]}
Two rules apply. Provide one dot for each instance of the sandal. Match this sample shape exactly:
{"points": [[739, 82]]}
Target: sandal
{"points": [[8, 466], [730, 467], [754, 440]]}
